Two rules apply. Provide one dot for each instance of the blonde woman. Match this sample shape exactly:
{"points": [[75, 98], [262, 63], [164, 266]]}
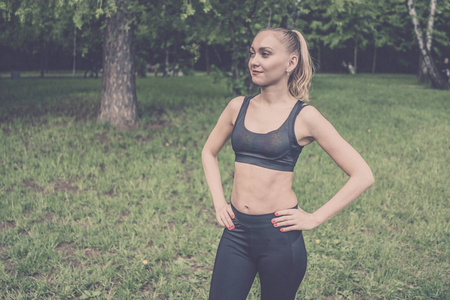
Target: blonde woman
{"points": [[263, 223]]}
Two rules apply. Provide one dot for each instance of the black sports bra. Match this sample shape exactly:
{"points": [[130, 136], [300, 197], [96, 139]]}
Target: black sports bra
{"points": [[276, 150]]}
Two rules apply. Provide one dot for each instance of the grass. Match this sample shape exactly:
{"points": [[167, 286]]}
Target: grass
{"points": [[90, 212]]}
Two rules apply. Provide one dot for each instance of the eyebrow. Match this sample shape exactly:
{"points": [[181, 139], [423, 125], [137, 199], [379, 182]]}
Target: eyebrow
{"points": [[262, 48]]}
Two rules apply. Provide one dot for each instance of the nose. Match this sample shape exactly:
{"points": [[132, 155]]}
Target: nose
{"points": [[254, 62]]}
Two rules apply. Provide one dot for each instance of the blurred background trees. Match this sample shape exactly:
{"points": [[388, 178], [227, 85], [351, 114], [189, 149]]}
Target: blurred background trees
{"points": [[172, 37], [375, 36]]}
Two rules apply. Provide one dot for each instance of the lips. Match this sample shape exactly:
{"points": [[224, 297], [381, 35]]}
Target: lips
{"points": [[254, 72]]}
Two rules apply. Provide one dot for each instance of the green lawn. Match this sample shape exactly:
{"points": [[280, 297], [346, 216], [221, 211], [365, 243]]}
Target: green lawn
{"points": [[90, 212]]}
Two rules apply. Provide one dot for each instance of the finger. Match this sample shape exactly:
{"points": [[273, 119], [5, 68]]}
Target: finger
{"points": [[227, 221], [284, 223], [281, 219], [219, 219], [288, 228], [285, 212], [230, 212]]}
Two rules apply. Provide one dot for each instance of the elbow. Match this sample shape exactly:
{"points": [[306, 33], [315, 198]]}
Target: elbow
{"points": [[207, 154], [369, 179], [204, 154], [364, 178]]}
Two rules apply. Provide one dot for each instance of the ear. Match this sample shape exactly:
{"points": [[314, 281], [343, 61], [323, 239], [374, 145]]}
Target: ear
{"points": [[292, 64]]}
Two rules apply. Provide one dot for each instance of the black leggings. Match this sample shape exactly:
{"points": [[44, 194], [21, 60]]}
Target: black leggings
{"points": [[256, 246]]}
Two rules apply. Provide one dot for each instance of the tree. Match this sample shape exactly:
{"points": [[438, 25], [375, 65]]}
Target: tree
{"points": [[435, 77], [118, 101]]}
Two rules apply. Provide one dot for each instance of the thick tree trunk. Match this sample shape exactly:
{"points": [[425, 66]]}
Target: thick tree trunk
{"points": [[118, 103], [436, 79], [422, 71]]}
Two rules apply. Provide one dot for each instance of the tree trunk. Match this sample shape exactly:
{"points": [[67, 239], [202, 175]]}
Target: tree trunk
{"points": [[431, 24], [319, 54], [374, 61], [234, 62], [118, 103], [423, 75], [43, 59], [355, 56], [74, 50], [422, 72], [296, 14], [208, 62], [436, 79]]}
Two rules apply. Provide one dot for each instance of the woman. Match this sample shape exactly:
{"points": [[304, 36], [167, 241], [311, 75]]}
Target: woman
{"points": [[263, 223]]}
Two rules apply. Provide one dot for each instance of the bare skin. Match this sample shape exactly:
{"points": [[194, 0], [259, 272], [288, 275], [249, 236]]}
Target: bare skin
{"points": [[258, 190]]}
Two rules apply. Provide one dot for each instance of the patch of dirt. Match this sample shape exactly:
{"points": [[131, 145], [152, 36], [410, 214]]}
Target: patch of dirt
{"points": [[48, 217], [146, 139], [195, 266], [9, 266], [67, 252], [34, 114], [64, 186], [110, 193], [91, 252], [65, 248], [103, 137], [123, 216], [29, 184], [7, 225]]}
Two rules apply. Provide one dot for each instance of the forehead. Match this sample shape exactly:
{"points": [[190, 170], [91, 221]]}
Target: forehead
{"points": [[268, 39]]}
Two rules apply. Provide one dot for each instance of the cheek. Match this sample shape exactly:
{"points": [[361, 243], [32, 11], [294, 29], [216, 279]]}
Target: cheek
{"points": [[277, 67]]}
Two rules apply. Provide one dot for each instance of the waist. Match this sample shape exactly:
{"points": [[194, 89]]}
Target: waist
{"points": [[255, 221]]}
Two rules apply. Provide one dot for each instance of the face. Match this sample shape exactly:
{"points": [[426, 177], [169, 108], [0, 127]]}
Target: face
{"points": [[269, 60]]}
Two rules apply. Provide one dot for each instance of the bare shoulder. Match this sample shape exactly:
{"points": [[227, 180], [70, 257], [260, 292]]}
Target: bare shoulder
{"points": [[312, 124], [309, 114], [236, 103], [310, 117], [233, 108]]}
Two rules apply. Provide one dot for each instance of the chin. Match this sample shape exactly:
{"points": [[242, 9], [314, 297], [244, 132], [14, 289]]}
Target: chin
{"points": [[258, 81]]}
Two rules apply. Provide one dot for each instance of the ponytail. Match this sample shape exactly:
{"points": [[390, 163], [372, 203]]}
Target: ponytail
{"points": [[299, 82]]}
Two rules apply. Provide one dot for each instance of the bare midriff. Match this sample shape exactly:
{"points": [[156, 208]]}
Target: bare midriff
{"points": [[258, 190]]}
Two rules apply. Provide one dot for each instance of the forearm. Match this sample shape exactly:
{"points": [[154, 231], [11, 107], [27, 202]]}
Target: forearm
{"points": [[212, 174], [354, 187]]}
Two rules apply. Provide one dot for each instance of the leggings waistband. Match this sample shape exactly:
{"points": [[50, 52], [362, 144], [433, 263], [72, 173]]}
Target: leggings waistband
{"points": [[255, 220]]}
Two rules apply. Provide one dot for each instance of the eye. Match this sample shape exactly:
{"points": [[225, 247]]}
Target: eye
{"points": [[251, 53], [265, 54]]}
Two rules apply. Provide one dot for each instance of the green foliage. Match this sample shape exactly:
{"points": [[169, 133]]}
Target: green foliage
{"points": [[178, 31], [88, 211]]}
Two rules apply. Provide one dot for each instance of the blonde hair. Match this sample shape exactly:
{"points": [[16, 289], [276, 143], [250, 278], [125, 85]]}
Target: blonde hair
{"points": [[299, 81]]}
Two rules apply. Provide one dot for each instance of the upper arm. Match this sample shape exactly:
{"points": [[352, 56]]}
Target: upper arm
{"points": [[224, 127], [323, 132]]}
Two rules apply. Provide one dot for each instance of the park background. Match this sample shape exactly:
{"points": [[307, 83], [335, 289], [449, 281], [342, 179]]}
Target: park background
{"points": [[93, 210]]}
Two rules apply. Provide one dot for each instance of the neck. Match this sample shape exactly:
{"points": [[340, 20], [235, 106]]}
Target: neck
{"points": [[276, 94]]}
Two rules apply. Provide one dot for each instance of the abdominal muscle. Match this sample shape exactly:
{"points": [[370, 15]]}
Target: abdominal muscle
{"points": [[258, 190]]}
